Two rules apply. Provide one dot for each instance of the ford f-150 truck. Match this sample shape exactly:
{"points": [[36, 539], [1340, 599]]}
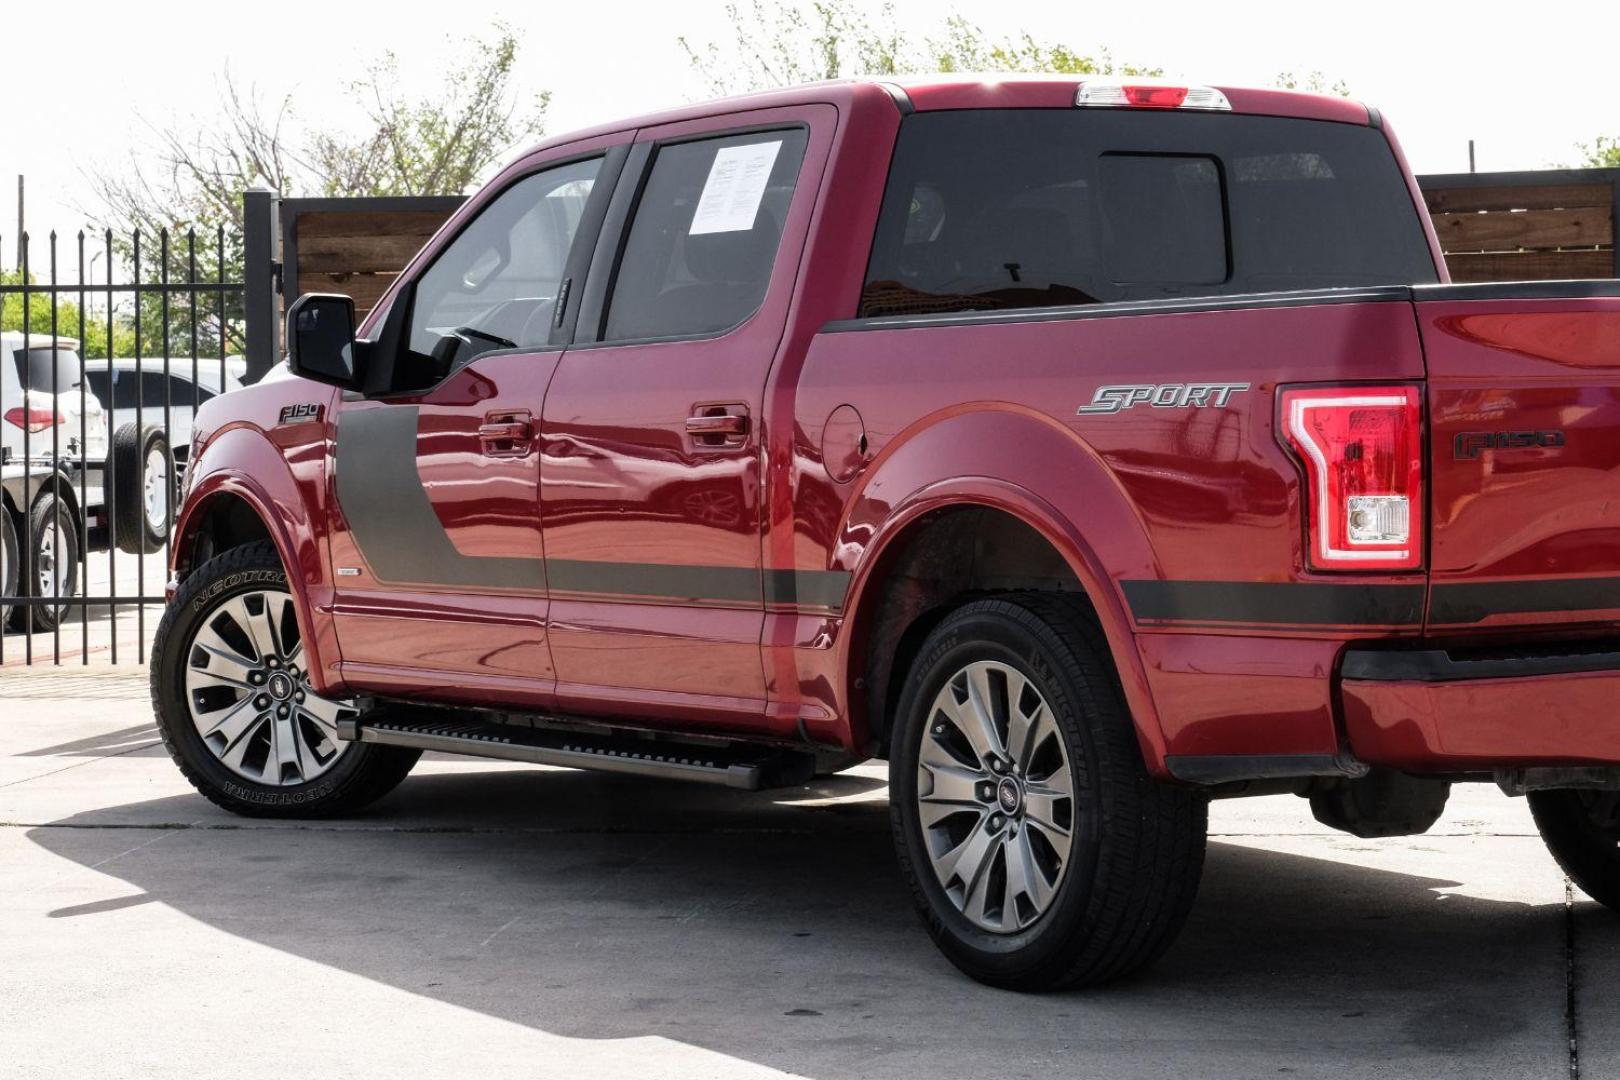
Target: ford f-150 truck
{"points": [[1085, 448]]}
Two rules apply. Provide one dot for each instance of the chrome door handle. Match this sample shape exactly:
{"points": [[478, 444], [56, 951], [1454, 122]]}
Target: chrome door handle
{"points": [[723, 424], [506, 434]]}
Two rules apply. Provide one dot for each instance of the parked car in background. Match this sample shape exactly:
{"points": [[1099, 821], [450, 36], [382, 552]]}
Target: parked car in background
{"points": [[153, 402], [70, 485], [53, 452], [151, 391]]}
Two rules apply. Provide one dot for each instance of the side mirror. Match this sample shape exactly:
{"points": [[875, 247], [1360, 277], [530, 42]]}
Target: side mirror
{"points": [[320, 340]]}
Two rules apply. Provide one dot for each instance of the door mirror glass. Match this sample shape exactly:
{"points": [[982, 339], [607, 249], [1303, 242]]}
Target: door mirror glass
{"points": [[320, 339]]}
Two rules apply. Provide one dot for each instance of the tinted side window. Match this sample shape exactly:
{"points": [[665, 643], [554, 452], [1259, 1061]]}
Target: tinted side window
{"points": [[700, 251], [996, 209], [179, 391], [495, 286]]}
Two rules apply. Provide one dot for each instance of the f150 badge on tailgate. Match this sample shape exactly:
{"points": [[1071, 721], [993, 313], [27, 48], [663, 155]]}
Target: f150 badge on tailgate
{"points": [[1113, 399]]}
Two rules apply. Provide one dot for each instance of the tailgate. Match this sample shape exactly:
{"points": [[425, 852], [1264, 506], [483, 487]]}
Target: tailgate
{"points": [[1524, 454]]}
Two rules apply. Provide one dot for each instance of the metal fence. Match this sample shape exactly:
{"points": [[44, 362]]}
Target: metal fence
{"points": [[118, 340]]}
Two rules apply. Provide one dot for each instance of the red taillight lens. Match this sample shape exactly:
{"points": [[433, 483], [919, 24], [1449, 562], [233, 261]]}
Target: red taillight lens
{"points": [[1363, 452], [34, 419]]}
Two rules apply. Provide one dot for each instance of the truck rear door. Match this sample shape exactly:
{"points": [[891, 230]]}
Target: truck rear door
{"points": [[1524, 445]]}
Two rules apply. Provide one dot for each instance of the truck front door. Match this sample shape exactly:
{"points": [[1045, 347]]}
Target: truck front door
{"points": [[436, 548]]}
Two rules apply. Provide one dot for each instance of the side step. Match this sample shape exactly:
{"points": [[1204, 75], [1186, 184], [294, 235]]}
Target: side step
{"points": [[730, 765]]}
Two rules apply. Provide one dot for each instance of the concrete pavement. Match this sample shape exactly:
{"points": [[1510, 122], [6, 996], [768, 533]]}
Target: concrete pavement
{"points": [[493, 920]]}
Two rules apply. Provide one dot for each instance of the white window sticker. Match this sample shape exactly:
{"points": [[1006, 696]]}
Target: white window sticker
{"points": [[736, 184]]}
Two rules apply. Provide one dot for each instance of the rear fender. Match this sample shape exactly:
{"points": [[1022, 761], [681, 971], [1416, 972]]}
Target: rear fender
{"points": [[1031, 467]]}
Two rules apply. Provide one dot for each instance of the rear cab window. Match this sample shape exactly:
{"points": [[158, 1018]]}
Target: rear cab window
{"points": [[48, 370], [991, 210]]}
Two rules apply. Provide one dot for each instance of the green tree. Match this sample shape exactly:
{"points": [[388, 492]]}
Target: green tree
{"points": [[33, 312], [437, 144], [1311, 82], [772, 45], [1601, 153]]}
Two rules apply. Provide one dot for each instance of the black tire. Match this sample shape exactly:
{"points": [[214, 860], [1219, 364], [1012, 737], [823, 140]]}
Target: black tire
{"points": [[362, 774], [1137, 847], [50, 512], [1582, 830], [9, 565], [134, 530]]}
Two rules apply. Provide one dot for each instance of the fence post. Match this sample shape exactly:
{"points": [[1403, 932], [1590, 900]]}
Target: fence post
{"points": [[260, 279]]}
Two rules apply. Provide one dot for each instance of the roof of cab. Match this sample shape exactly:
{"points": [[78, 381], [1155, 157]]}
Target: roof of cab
{"points": [[927, 93]]}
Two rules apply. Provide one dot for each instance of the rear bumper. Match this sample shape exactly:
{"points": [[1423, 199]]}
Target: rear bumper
{"points": [[1436, 710]]}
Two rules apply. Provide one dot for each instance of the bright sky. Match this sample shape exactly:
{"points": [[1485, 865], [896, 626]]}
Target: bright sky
{"points": [[1526, 81]]}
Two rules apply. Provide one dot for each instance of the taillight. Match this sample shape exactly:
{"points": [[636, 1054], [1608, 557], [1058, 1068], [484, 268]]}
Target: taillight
{"points": [[1363, 452], [1123, 95], [34, 419]]}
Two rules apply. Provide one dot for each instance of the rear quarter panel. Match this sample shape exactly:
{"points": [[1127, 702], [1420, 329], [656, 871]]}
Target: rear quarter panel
{"points": [[1189, 499]]}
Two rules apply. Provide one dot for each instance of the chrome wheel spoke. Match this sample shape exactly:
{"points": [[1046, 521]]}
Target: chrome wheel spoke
{"points": [[951, 784], [235, 754], [967, 861], [980, 719], [1026, 879], [977, 900], [230, 723], [224, 667], [1029, 732], [325, 713], [258, 628]]}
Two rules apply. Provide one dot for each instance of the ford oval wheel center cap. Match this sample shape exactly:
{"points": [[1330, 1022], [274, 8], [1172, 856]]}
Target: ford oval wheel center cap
{"points": [[1009, 795], [280, 686]]}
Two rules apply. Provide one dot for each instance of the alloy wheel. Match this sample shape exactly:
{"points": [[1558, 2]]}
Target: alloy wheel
{"points": [[155, 490], [995, 796], [54, 563], [249, 694]]}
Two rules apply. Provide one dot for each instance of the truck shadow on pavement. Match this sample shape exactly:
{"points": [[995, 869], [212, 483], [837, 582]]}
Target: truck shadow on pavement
{"points": [[773, 927]]}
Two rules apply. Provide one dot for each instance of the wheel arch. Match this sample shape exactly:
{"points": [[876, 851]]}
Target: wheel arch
{"points": [[1014, 529], [243, 492]]}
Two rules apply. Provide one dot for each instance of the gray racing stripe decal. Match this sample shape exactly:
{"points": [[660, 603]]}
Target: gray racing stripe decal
{"points": [[394, 524], [382, 498], [1275, 602]]}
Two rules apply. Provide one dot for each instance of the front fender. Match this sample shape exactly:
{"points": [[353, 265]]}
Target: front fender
{"points": [[1029, 466], [283, 486]]}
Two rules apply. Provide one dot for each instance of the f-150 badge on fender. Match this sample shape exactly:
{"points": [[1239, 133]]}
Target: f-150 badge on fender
{"points": [[294, 414], [1113, 399]]}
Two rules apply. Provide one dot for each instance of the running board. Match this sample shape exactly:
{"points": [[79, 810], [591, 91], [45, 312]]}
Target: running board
{"points": [[730, 765]]}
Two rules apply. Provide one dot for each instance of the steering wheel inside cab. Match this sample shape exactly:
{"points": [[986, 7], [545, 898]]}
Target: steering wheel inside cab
{"points": [[521, 322]]}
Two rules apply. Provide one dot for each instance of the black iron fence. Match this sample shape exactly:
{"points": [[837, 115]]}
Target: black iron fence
{"points": [[108, 346]]}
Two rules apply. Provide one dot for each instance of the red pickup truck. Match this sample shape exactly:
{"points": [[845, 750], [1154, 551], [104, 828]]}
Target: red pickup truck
{"points": [[1085, 448]]}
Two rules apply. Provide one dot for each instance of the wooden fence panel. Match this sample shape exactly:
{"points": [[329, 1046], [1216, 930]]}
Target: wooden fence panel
{"points": [[355, 246], [1533, 226]]}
